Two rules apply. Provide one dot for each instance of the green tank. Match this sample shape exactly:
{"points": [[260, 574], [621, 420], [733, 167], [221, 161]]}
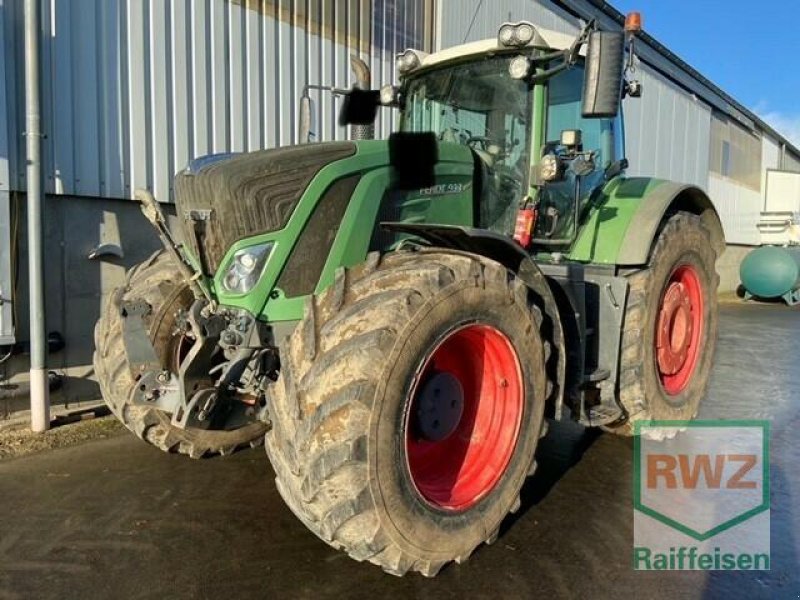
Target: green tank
{"points": [[772, 272]]}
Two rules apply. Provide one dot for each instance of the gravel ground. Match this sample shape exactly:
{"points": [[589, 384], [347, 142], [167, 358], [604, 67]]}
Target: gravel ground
{"points": [[22, 441]]}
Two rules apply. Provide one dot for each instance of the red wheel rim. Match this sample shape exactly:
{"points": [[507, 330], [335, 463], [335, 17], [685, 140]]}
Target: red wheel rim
{"points": [[456, 472], [679, 329]]}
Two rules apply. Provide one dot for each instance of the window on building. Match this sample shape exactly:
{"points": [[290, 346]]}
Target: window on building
{"points": [[735, 152]]}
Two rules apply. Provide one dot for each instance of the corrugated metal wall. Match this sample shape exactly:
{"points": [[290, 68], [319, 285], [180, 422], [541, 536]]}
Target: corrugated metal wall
{"points": [[771, 159], [133, 89], [471, 20], [667, 131], [739, 210], [6, 324]]}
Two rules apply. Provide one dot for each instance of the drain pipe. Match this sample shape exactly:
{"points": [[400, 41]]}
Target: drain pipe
{"points": [[40, 393]]}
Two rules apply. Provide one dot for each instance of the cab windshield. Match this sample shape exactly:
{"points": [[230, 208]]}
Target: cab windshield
{"points": [[479, 105]]}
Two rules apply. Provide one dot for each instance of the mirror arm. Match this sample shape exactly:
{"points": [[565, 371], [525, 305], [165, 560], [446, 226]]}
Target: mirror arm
{"points": [[544, 75], [583, 37]]}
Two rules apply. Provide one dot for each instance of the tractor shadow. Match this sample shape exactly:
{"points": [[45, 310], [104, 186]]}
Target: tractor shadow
{"points": [[561, 449]]}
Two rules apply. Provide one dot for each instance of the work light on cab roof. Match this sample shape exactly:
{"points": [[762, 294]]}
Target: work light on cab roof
{"points": [[409, 60], [516, 35]]}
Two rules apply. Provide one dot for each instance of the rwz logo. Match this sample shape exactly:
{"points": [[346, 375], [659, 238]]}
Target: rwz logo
{"points": [[710, 484], [688, 471]]}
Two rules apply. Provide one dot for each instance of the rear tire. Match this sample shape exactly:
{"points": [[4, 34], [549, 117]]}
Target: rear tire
{"points": [[660, 384], [158, 282], [342, 408]]}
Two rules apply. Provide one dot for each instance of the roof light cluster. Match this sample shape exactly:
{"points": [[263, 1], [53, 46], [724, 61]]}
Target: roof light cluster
{"points": [[516, 35], [409, 60]]}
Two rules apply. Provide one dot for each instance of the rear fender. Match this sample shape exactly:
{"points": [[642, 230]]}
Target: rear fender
{"points": [[623, 225]]}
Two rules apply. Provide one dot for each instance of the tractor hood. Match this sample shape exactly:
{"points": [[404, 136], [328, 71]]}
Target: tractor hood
{"points": [[226, 197]]}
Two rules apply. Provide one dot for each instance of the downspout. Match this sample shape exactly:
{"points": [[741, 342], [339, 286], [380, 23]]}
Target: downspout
{"points": [[40, 396]]}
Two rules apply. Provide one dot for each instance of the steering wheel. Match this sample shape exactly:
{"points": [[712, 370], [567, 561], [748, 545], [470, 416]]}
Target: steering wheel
{"points": [[473, 140]]}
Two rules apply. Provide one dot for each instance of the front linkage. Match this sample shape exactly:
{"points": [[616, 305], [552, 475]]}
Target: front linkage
{"points": [[239, 348]]}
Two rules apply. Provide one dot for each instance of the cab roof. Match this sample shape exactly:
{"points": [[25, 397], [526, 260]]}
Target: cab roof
{"points": [[543, 38]]}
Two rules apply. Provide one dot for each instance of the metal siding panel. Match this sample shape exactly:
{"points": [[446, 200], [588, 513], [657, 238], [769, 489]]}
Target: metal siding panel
{"points": [[200, 67], [137, 51], [15, 99], [271, 81], [219, 77], [739, 209], [46, 91], [61, 118], [85, 101], [770, 159], [237, 93], [6, 123], [472, 20], [160, 118], [255, 85], [340, 60], [314, 75], [702, 135], [112, 171], [6, 286], [181, 106], [6, 319], [298, 66], [667, 132], [679, 150], [285, 76]]}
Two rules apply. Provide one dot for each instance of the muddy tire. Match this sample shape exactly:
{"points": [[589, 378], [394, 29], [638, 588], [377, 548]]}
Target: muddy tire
{"points": [[670, 329], [349, 443], [158, 282]]}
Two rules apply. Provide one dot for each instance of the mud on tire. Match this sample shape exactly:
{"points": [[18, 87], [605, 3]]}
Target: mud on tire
{"points": [[158, 282], [339, 409], [683, 240]]}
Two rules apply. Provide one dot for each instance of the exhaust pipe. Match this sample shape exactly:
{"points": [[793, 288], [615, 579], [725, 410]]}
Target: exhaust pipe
{"points": [[363, 82]]}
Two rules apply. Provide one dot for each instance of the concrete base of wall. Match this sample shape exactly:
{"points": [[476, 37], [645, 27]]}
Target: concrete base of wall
{"points": [[76, 287], [728, 267]]}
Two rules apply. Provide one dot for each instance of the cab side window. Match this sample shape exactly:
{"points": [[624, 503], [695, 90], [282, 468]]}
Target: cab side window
{"points": [[564, 112]]}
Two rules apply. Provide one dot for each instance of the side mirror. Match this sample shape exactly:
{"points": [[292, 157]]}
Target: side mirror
{"points": [[360, 107], [602, 84], [306, 125]]}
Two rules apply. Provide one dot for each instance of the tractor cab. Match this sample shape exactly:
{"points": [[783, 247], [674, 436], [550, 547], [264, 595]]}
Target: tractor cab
{"points": [[540, 114]]}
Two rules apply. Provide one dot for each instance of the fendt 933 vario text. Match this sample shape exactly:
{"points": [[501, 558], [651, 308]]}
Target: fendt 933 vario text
{"points": [[396, 319]]}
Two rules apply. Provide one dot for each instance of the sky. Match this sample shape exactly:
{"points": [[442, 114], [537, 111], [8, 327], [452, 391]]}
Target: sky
{"points": [[749, 48]]}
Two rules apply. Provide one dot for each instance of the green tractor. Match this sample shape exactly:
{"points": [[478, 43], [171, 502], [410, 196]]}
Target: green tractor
{"points": [[396, 319]]}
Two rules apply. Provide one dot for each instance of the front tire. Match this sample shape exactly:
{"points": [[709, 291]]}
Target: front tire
{"points": [[158, 282], [365, 452], [670, 330]]}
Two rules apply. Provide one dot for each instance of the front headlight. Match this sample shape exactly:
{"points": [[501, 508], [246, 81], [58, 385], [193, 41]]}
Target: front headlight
{"points": [[246, 268]]}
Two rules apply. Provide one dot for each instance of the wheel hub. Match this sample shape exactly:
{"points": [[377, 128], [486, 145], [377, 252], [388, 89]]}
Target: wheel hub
{"points": [[678, 329], [674, 329], [465, 415], [440, 405]]}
